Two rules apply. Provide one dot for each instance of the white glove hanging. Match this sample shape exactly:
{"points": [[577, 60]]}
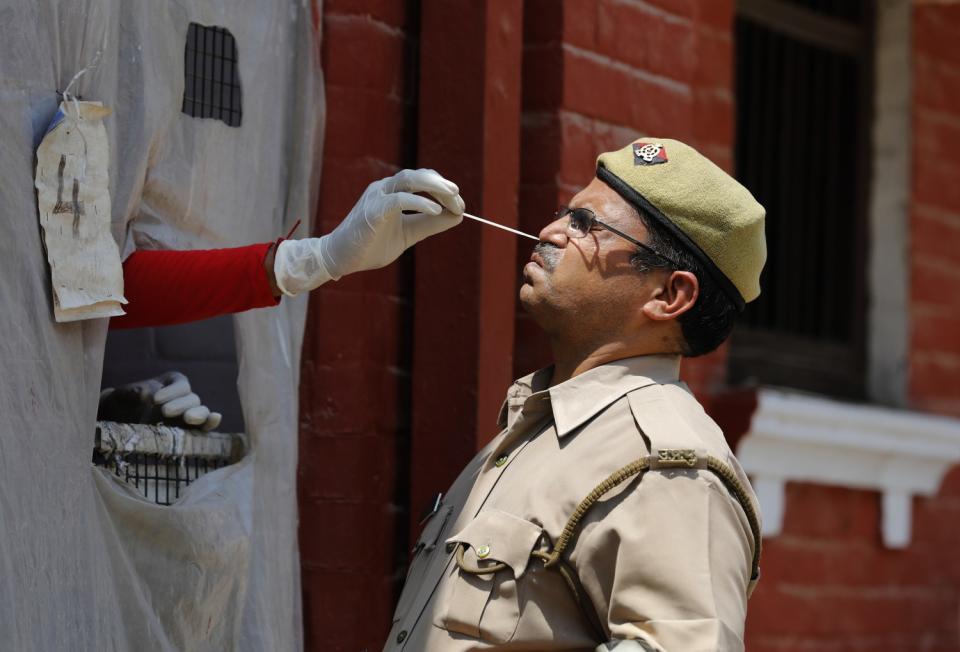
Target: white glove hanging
{"points": [[166, 397], [374, 233]]}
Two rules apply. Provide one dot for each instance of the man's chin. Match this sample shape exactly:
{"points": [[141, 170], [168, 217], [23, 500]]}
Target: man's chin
{"points": [[534, 296], [538, 305], [529, 296], [526, 291]]}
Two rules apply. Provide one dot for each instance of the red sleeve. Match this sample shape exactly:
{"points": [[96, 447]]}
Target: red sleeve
{"points": [[172, 287]]}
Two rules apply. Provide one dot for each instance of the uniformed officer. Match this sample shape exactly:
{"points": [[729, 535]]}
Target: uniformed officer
{"points": [[609, 512]]}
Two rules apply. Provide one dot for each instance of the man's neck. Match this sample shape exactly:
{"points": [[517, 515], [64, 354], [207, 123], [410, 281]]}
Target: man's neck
{"points": [[570, 361]]}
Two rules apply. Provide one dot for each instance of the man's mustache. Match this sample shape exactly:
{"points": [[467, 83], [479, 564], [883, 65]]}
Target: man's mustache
{"points": [[549, 254]]}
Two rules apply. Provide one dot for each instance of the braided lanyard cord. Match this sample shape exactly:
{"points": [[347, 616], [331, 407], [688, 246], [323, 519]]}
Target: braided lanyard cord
{"points": [[580, 596], [735, 487], [663, 458], [615, 479]]}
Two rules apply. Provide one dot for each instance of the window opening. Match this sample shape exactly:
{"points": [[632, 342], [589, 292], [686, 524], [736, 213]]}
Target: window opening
{"points": [[211, 76], [803, 99]]}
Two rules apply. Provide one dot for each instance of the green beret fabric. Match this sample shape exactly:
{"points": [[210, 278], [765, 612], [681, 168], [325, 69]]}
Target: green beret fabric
{"points": [[716, 217]]}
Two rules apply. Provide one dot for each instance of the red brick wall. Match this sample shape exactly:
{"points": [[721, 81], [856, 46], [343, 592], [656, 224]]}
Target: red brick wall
{"points": [[935, 210], [599, 73], [829, 584], [355, 381], [828, 581]]}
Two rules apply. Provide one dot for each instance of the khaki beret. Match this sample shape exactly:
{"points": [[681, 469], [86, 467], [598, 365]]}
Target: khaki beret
{"points": [[715, 217]]}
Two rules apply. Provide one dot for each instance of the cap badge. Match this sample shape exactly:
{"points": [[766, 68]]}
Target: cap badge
{"points": [[649, 154]]}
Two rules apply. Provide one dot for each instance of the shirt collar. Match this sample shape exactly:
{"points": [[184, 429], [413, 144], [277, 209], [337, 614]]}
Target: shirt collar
{"points": [[579, 399], [520, 391]]}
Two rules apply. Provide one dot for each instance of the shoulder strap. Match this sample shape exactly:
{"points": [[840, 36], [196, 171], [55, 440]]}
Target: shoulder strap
{"points": [[658, 419]]}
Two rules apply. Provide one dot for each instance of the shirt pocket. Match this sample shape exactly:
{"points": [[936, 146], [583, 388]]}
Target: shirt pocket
{"points": [[486, 605]]}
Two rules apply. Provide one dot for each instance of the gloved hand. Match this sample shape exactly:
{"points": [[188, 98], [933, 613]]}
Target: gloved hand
{"points": [[374, 233], [166, 398]]}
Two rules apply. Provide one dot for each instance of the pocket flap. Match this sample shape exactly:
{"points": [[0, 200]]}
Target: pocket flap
{"points": [[499, 536]]}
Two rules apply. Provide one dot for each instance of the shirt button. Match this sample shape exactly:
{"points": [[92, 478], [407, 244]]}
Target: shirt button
{"points": [[483, 552], [500, 461], [402, 636]]}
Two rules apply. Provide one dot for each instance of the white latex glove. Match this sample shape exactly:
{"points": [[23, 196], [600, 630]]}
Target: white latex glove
{"points": [[169, 392], [374, 233], [177, 399]]}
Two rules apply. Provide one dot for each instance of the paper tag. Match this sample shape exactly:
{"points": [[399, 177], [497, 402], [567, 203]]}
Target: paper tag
{"points": [[73, 197]]}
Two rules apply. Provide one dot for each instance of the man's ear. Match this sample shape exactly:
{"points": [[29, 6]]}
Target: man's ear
{"points": [[676, 295]]}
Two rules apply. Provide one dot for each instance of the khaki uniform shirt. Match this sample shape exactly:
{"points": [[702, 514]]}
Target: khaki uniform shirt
{"points": [[665, 559]]}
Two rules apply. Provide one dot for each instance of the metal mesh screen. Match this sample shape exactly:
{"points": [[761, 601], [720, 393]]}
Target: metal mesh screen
{"points": [[160, 479], [797, 151], [161, 461], [211, 76]]}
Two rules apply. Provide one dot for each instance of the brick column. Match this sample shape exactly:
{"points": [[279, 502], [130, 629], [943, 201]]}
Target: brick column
{"points": [[465, 279], [355, 358]]}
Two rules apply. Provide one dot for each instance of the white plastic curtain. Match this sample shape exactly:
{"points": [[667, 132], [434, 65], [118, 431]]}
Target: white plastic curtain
{"points": [[85, 562]]}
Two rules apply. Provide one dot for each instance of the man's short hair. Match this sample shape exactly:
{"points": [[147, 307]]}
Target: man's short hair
{"points": [[709, 322]]}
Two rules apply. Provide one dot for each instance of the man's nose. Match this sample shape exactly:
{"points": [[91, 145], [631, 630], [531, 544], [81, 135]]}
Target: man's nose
{"points": [[556, 232]]}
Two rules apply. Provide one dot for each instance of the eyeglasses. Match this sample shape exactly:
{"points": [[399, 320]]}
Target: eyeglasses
{"points": [[583, 221]]}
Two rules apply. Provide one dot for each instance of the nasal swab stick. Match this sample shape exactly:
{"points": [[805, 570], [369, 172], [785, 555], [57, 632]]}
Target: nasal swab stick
{"points": [[500, 226]]}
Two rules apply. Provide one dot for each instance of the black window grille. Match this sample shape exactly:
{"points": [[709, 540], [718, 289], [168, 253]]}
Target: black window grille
{"points": [[160, 479], [159, 461], [211, 75], [803, 104]]}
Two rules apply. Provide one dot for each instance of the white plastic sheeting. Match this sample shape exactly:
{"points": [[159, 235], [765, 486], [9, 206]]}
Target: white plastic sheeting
{"points": [[86, 563]]}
